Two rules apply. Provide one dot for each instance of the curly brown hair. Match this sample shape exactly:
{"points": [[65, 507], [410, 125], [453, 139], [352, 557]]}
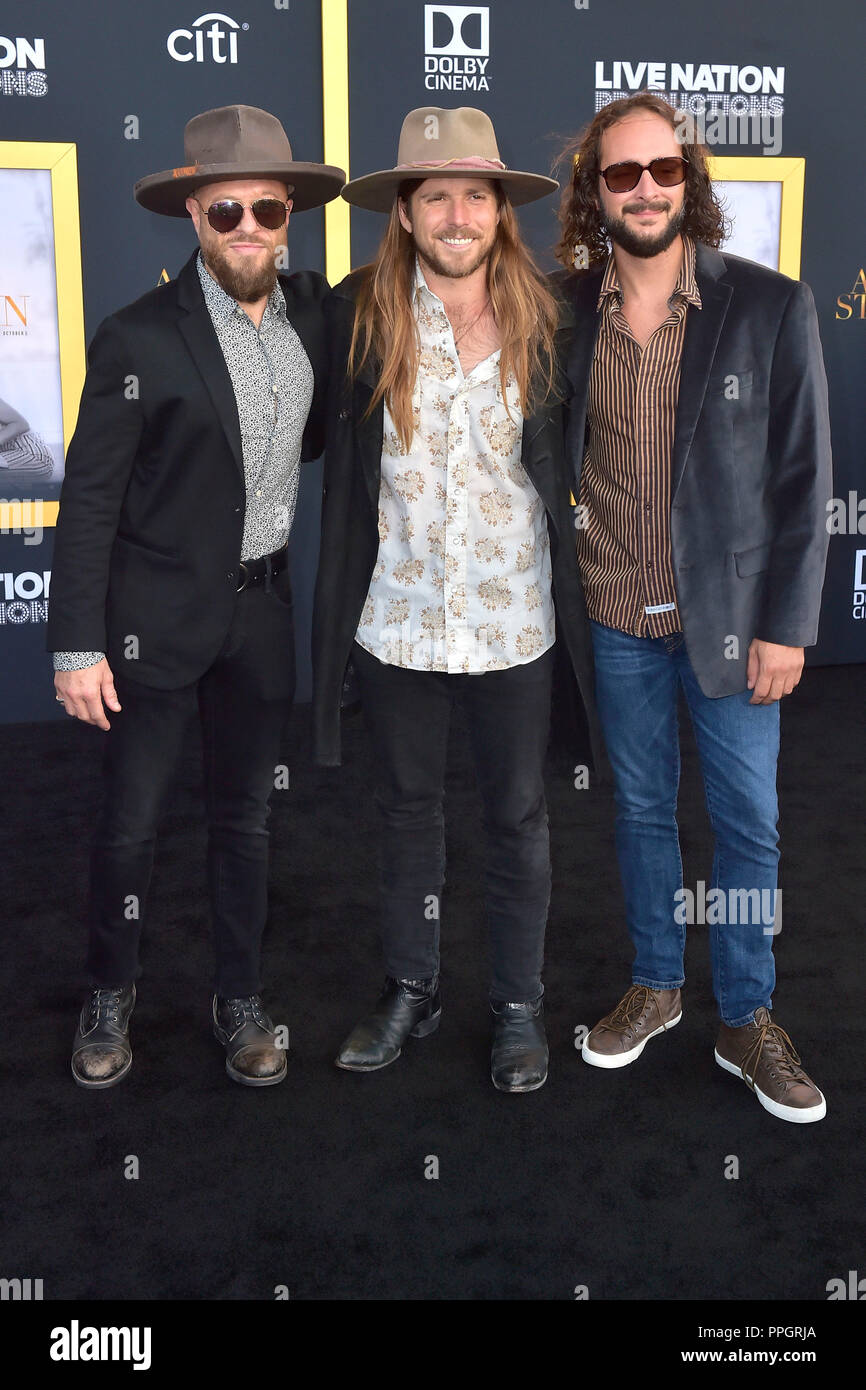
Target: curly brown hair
{"points": [[580, 215]]}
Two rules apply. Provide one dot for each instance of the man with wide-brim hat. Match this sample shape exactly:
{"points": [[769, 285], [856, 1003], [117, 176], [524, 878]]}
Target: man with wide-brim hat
{"points": [[447, 537], [170, 589]]}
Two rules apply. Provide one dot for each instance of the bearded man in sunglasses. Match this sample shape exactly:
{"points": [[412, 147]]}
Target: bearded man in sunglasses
{"points": [[700, 452], [170, 589]]}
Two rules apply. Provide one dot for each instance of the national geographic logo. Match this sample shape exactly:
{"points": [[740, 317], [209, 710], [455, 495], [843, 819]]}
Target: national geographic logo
{"points": [[22, 68], [456, 48], [726, 89], [217, 43], [852, 304]]}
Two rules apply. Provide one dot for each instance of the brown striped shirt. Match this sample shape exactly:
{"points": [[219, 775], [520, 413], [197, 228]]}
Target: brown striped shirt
{"points": [[624, 539]]}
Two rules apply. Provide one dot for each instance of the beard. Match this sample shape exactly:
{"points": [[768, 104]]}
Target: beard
{"points": [[246, 280], [643, 246], [429, 256]]}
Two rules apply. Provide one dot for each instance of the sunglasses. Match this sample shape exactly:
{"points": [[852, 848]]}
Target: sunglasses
{"points": [[227, 214], [667, 173]]}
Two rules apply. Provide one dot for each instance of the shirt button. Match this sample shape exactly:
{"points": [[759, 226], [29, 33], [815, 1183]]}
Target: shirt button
{"points": [[258, 493], [230, 574], [344, 414]]}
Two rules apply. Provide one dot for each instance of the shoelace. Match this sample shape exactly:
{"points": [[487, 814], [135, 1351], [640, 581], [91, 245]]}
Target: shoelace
{"points": [[784, 1054], [104, 1004], [247, 1011], [629, 1009]]}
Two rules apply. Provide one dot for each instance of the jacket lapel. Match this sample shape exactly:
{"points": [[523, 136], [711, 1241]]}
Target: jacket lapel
{"points": [[200, 337], [703, 328], [578, 363]]}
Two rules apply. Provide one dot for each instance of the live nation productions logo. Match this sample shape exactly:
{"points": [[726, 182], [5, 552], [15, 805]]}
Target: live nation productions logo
{"points": [[211, 38], [728, 89], [22, 67], [457, 48]]}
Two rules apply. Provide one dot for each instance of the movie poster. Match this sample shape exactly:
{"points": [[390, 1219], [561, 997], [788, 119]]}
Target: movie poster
{"points": [[31, 413]]}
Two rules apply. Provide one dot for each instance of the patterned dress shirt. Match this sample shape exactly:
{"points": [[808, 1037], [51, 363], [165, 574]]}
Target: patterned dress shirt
{"points": [[273, 387], [624, 545], [462, 581]]}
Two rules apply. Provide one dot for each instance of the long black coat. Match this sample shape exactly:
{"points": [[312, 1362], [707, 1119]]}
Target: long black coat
{"points": [[152, 507], [350, 536], [751, 470]]}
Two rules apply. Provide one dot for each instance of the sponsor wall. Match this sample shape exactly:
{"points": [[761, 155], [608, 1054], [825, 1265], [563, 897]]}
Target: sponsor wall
{"points": [[118, 84]]}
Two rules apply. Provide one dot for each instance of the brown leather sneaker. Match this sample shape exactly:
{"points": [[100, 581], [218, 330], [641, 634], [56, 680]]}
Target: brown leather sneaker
{"points": [[764, 1056], [621, 1036]]}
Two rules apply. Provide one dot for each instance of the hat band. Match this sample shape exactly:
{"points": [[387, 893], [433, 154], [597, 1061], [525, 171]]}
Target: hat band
{"points": [[469, 161]]}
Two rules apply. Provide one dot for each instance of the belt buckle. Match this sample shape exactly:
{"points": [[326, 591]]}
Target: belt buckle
{"points": [[243, 573]]}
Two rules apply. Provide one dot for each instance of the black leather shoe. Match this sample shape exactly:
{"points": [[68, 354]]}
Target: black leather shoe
{"points": [[101, 1054], [247, 1034], [406, 1009], [518, 1060]]}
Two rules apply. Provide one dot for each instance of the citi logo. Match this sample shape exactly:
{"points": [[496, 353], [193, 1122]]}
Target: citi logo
{"points": [[458, 31], [21, 53], [189, 45]]}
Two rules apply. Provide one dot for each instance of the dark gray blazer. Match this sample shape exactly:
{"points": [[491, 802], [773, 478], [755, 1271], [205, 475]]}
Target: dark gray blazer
{"points": [[751, 469]]}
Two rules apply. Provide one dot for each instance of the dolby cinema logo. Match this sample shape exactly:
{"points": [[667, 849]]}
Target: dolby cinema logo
{"points": [[859, 603], [456, 48]]}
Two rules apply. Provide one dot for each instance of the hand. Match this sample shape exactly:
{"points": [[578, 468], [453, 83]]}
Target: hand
{"points": [[85, 692], [772, 671]]}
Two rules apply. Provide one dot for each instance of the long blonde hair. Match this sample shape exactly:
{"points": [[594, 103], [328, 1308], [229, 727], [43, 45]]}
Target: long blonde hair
{"points": [[385, 328]]}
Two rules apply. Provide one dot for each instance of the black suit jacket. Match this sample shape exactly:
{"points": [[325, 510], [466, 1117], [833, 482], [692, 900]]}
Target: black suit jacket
{"points": [[751, 468], [152, 507], [350, 535]]}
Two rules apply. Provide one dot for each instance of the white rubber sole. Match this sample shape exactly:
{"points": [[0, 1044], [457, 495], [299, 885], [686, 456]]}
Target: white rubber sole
{"points": [[623, 1059], [793, 1113]]}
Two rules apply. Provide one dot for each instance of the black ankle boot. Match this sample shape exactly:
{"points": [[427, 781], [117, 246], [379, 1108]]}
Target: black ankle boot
{"points": [[518, 1060], [101, 1053], [406, 1008]]}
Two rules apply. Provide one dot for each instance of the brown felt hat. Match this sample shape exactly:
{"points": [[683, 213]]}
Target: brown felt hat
{"points": [[436, 142], [237, 142]]}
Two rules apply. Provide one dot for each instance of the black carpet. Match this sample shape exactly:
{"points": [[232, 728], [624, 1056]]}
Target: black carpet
{"points": [[610, 1180]]}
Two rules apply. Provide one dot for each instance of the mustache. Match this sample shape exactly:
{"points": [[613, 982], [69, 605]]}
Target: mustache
{"points": [[647, 205]]}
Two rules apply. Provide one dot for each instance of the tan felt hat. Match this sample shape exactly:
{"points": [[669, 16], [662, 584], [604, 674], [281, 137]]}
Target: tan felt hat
{"points": [[436, 142]]}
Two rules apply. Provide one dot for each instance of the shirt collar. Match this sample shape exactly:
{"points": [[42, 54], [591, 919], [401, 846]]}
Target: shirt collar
{"points": [[222, 306], [686, 287]]}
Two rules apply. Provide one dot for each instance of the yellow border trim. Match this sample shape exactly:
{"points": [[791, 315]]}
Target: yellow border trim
{"points": [[335, 121], [61, 161], [791, 174]]}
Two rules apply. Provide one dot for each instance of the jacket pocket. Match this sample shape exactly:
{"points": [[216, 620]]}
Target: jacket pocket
{"points": [[752, 561]]}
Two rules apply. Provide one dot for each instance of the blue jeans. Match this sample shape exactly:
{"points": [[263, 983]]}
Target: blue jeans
{"points": [[637, 681]]}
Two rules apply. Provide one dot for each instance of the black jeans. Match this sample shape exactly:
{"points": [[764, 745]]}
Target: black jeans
{"points": [[243, 701], [408, 714]]}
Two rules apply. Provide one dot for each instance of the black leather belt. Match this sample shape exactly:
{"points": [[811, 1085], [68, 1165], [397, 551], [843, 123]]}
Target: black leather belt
{"points": [[266, 567]]}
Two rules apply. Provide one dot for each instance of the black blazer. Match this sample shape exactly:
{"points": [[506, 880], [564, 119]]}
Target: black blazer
{"points": [[152, 506], [350, 536], [751, 470]]}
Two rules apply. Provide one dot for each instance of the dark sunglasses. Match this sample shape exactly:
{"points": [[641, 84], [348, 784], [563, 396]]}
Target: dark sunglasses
{"points": [[667, 173], [227, 214]]}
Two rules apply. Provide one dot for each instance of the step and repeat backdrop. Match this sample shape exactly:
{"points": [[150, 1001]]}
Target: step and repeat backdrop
{"points": [[93, 97]]}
